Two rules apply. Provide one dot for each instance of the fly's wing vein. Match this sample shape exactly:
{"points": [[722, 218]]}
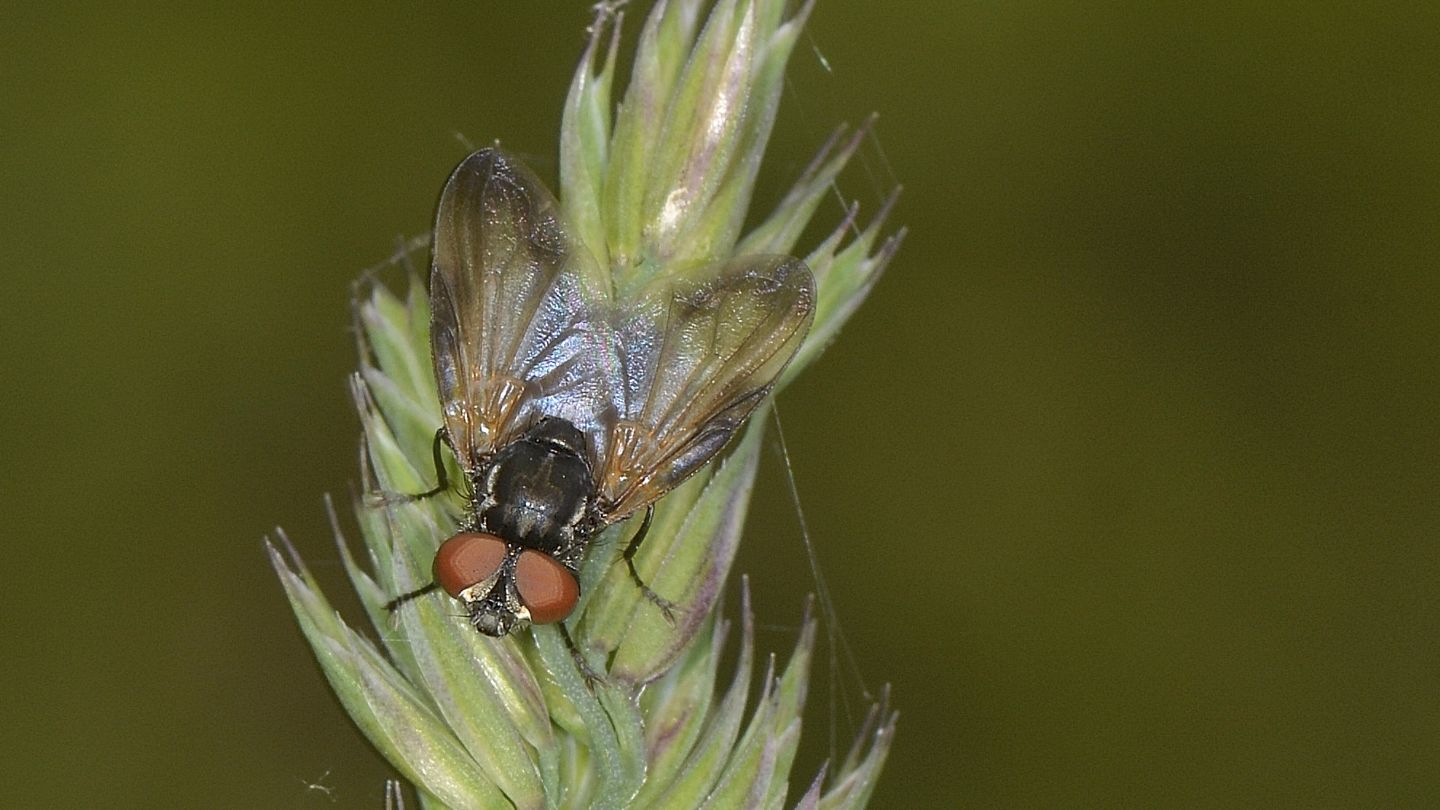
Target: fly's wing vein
{"points": [[696, 355]]}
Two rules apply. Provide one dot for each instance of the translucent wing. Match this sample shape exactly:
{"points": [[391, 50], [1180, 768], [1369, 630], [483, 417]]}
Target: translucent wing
{"points": [[694, 358], [518, 313]]}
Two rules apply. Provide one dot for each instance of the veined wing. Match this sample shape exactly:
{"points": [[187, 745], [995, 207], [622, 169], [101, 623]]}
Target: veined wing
{"points": [[517, 310], [695, 357]]}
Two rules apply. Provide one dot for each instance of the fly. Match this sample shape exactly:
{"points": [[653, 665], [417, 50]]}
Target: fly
{"points": [[569, 407]]}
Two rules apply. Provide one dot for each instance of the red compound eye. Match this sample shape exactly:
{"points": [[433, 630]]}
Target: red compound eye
{"points": [[546, 587], [467, 558]]}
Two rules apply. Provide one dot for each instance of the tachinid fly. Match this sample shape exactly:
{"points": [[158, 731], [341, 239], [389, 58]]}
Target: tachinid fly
{"points": [[571, 406]]}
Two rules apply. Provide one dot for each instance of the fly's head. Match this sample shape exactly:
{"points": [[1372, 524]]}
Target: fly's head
{"points": [[504, 587]]}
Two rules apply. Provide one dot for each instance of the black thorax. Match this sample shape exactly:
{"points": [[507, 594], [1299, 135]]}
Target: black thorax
{"points": [[535, 492]]}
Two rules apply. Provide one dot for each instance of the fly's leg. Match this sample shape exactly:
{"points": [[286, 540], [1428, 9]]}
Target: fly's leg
{"points": [[442, 478], [590, 675], [667, 608], [437, 453], [406, 597]]}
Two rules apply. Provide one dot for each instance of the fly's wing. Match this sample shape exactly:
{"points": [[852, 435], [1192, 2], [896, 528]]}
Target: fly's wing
{"points": [[695, 357], [517, 310]]}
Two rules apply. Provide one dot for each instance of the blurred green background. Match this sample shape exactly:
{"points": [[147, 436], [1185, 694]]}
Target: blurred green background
{"points": [[1124, 478]]}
